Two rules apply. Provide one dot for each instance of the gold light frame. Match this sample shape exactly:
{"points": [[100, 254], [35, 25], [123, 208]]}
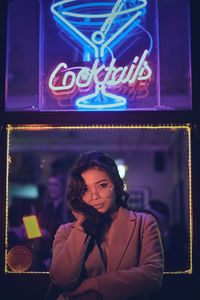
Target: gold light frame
{"points": [[187, 127]]}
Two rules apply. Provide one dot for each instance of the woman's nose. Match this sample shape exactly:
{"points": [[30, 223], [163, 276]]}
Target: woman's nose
{"points": [[94, 195]]}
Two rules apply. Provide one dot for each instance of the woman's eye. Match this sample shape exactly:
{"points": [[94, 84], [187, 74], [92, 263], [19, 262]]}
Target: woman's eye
{"points": [[85, 189], [103, 185]]}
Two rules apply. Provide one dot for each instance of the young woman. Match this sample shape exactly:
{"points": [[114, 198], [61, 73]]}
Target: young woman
{"points": [[109, 253]]}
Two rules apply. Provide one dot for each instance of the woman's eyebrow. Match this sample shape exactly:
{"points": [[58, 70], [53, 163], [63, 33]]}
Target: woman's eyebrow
{"points": [[101, 180]]}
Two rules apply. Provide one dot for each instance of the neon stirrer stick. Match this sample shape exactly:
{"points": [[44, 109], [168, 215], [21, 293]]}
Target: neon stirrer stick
{"points": [[105, 27], [118, 32]]}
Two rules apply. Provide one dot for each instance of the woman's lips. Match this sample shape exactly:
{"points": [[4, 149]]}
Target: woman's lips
{"points": [[99, 205]]}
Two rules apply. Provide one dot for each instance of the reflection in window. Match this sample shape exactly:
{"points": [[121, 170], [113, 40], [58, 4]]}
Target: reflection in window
{"points": [[157, 177]]}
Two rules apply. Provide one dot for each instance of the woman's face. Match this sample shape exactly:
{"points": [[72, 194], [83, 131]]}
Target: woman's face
{"points": [[99, 190], [55, 188]]}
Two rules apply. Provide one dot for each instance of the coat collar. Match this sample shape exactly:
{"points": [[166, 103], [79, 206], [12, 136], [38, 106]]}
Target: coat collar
{"points": [[121, 233]]}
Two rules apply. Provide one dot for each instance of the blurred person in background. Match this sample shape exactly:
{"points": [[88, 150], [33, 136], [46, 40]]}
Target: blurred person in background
{"points": [[53, 213], [174, 237]]}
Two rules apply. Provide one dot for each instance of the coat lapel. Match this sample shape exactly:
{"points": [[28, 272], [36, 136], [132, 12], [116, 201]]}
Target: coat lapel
{"points": [[121, 234]]}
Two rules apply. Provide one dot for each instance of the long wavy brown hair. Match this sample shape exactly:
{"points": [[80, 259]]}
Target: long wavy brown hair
{"points": [[76, 183]]}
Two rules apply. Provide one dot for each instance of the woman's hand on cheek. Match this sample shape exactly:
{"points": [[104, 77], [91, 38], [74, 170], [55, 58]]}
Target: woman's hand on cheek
{"points": [[79, 219]]}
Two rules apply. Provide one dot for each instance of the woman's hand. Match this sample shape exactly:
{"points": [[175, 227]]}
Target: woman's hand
{"points": [[79, 219]]}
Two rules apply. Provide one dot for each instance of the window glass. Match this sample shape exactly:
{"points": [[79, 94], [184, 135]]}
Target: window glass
{"points": [[153, 161], [102, 55]]}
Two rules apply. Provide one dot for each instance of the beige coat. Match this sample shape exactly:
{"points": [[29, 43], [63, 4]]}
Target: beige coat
{"points": [[134, 259]]}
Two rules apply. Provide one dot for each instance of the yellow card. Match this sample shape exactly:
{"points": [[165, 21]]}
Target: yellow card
{"points": [[32, 227]]}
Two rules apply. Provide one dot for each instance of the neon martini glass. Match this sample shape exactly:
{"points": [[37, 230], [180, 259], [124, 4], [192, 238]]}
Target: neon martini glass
{"points": [[99, 25]]}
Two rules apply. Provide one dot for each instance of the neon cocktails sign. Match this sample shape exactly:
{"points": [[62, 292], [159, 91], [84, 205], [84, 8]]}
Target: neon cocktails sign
{"points": [[101, 26], [100, 76]]}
